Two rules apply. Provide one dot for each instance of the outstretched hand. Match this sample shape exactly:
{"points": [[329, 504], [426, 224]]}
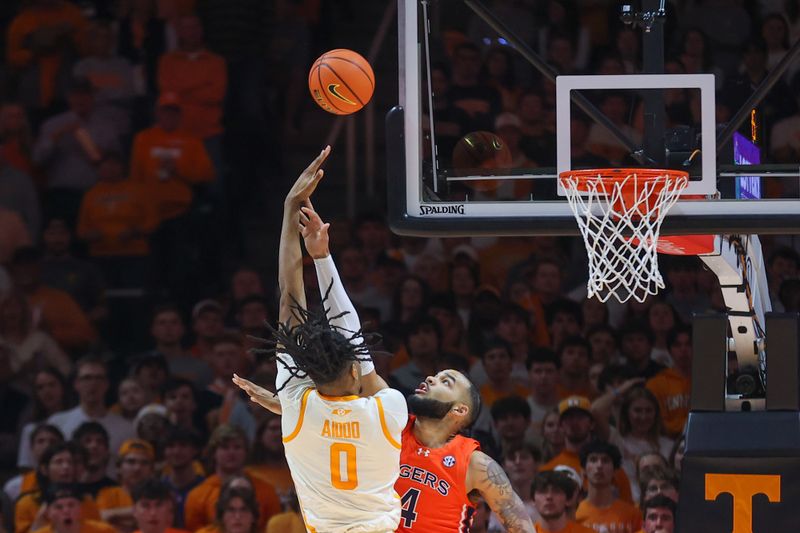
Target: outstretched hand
{"points": [[259, 395], [307, 182], [314, 231]]}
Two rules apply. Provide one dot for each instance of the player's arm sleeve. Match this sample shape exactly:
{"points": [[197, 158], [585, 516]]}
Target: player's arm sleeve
{"points": [[395, 410], [339, 303]]}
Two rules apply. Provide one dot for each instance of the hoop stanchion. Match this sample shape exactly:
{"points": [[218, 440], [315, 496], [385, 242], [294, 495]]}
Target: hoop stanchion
{"points": [[619, 213]]}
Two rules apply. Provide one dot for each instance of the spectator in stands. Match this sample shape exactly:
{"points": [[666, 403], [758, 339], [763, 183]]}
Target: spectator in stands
{"points": [[41, 438], [636, 345], [50, 395], [64, 505], [658, 480], [551, 492], [538, 141], [464, 279], [564, 320], [672, 386], [59, 464], [353, 266], [252, 318], [268, 459], [543, 398], [141, 39], [228, 356], [167, 330], [111, 76], [480, 102], [553, 440], [498, 73], [151, 425], [496, 359], [16, 140], [182, 472], [59, 313], [18, 195], [29, 349], [245, 282], [510, 418], [43, 40], [782, 264], [640, 429], [135, 461], [69, 147], [372, 236], [199, 78], [577, 420], [512, 327], [451, 123], [442, 308], [180, 399], [573, 377], [237, 512], [616, 106], [93, 437], [603, 342], [168, 160], [660, 515], [227, 449], [582, 154], [151, 371], [132, 396], [422, 339], [62, 270], [602, 508], [661, 318], [91, 384], [154, 507], [410, 300], [208, 323], [521, 464], [116, 217]]}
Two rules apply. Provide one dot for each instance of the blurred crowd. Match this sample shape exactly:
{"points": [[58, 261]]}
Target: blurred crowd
{"points": [[130, 132]]}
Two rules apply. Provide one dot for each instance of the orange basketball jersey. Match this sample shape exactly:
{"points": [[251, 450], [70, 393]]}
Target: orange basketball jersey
{"points": [[432, 485]]}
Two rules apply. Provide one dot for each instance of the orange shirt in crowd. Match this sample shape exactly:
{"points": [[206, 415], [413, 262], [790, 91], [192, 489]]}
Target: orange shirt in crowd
{"points": [[288, 522], [572, 460], [489, 394], [619, 517], [200, 80], [113, 208], [87, 526], [280, 477], [571, 527], [201, 502], [154, 148], [498, 259], [112, 501], [13, 153], [63, 19], [168, 530], [564, 392], [28, 506], [29, 483], [62, 317], [672, 391], [13, 234]]}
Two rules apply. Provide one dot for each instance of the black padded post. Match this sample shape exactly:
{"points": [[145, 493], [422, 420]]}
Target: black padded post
{"points": [[783, 361], [710, 362]]}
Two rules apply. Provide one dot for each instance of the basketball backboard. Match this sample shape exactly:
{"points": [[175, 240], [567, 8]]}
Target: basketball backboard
{"points": [[449, 174]]}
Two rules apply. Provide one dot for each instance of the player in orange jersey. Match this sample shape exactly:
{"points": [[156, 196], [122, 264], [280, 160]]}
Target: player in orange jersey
{"points": [[552, 491], [443, 474]]}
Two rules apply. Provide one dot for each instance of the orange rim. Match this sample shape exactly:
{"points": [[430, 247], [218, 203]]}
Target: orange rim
{"points": [[613, 175]]}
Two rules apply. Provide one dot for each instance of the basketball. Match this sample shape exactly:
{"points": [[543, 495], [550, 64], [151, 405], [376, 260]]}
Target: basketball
{"points": [[341, 81], [480, 150]]}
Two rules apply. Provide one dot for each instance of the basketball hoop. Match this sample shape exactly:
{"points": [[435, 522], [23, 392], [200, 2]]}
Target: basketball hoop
{"points": [[619, 212]]}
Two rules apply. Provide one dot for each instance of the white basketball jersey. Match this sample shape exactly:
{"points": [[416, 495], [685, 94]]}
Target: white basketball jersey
{"points": [[344, 455]]}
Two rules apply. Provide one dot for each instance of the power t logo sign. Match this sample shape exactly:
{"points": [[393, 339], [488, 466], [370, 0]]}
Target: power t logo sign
{"points": [[742, 487]]}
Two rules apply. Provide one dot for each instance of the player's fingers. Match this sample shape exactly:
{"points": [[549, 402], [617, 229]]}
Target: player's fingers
{"points": [[324, 228], [317, 162]]}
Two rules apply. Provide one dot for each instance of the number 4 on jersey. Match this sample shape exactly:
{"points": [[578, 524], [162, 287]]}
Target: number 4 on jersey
{"points": [[408, 503]]}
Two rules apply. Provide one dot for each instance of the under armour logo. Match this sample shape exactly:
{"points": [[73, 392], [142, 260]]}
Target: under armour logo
{"points": [[423, 451], [449, 461]]}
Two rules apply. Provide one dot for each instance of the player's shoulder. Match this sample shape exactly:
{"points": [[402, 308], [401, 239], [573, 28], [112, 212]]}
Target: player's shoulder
{"points": [[392, 400]]}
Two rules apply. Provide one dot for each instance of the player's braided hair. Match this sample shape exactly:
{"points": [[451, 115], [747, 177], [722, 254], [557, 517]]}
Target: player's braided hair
{"points": [[320, 350]]}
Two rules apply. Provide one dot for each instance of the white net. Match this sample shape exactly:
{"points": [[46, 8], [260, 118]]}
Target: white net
{"points": [[620, 218]]}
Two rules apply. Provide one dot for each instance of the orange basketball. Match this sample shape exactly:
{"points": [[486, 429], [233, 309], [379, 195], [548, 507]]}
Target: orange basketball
{"points": [[341, 81]]}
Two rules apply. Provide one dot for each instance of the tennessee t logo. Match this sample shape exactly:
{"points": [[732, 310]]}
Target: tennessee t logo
{"points": [[333, 88], [743, 487]]}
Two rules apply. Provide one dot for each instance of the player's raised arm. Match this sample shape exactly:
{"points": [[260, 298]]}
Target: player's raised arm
{"points": [[315, 237], [488, 478], [290, 255]]}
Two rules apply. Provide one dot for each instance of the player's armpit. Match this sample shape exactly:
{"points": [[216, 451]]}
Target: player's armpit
{"points": [[488, 478]]}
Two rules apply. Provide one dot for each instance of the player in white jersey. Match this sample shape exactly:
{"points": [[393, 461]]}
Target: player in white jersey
{"points": [[341, 423]]}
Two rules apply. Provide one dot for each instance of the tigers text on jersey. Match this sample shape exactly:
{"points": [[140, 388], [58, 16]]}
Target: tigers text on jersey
{"points": [[344, 455], [432, 485]]}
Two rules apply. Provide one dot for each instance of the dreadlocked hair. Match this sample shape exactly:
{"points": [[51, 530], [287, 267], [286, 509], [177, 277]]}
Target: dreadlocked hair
{"points": [[320, 350]]}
